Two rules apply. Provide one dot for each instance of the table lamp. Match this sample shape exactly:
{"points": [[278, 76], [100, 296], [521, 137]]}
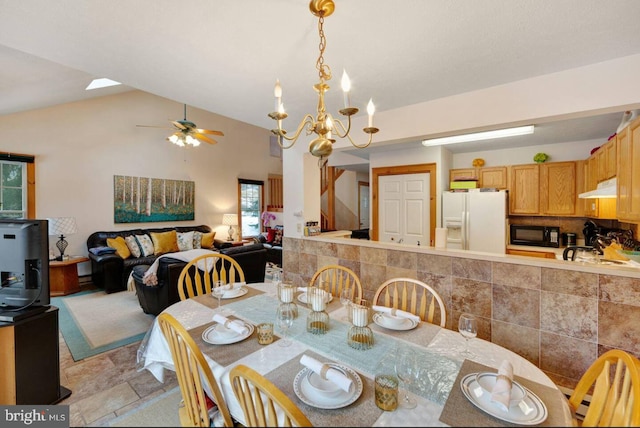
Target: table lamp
{"points": [[62, 226], [230, 220]]}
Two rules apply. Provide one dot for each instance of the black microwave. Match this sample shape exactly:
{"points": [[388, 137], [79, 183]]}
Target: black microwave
{"points": [[538, 236]]}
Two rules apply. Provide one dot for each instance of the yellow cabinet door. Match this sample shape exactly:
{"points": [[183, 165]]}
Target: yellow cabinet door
{"points": [[629, 173], [494, 176], [524, 189], [558, 188]]}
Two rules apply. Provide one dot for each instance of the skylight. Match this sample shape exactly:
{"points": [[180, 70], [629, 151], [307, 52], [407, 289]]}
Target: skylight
{"points": [[101, 83]]}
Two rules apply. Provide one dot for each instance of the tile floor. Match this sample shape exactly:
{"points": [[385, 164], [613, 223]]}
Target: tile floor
{"points": [[106, 385]]}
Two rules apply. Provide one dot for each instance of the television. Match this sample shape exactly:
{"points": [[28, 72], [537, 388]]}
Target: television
{"points": [[24, 264]]}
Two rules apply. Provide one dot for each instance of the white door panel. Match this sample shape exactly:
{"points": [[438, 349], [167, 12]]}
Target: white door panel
{"points": [[404, 208]]}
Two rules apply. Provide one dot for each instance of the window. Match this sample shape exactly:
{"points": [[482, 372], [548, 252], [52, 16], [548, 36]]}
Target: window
{"points": [[251, 197], [17, 187]]}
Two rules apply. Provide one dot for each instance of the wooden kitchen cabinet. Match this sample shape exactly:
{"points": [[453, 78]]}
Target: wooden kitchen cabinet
{"points": [[494, 176], [606, 161], [491, 176], [524, 189], [465, 173], [628, 155], [547, 189], [541, 254], [558, 188]]}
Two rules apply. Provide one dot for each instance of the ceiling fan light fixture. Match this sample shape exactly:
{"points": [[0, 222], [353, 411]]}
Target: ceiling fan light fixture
{"points": [[479, 136]]}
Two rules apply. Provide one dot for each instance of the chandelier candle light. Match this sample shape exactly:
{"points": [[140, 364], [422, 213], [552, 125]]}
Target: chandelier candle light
{"points": [[230, 220], [324, 125], [62, 226]]}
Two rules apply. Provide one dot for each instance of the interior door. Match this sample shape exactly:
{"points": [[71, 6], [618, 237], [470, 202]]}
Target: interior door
{"points": [[404, 208]]}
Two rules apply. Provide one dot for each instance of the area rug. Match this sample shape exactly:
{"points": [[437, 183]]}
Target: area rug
{"points": [[93, 321], [161, 411]]}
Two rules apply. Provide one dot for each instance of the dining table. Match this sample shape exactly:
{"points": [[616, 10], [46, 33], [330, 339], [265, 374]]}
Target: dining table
{"points": [[445, 387]]}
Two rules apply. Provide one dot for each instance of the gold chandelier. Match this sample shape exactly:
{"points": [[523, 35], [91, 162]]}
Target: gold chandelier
{"points": [[325, 126]]}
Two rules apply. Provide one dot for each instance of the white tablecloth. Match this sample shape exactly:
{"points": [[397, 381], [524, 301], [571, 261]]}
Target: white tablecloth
{"points": [[154, 355]]}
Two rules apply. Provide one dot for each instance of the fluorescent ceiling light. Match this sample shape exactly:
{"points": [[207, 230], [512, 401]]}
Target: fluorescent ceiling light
{"points": [[101, 83], [478, 136]]}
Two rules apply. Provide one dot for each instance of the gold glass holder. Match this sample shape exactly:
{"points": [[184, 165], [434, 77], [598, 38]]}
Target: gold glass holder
{"points": [[318, 322], [360, 338]]}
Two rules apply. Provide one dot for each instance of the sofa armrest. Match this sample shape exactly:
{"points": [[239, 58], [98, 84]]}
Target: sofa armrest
{"points": [[107, 271]]}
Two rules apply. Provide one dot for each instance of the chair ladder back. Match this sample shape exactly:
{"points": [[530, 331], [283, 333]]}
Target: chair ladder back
{"points": [[201, 273], [335, 278], [192, 372], [262, 402], [613, 398], [412, 296]]}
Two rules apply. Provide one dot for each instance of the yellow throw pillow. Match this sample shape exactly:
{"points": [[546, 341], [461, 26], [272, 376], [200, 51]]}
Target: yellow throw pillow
{"points": [[165, 242], [207, 240], [120, 245]]}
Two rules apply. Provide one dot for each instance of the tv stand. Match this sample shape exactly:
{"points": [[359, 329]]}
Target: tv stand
{"points": [[7, 315], [30, 358]]}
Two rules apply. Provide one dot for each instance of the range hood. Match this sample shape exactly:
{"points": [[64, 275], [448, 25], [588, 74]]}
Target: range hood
{"points": [[605, 189]]}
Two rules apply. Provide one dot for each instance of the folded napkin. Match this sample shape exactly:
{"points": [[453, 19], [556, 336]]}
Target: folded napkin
{"points": [[303, 289], [327, 372], [235, 325], [501, 391], [233, 288], [396, 312]]}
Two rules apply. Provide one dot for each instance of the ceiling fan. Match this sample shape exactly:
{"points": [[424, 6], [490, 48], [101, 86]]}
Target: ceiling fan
{"points": [[187, 133]]}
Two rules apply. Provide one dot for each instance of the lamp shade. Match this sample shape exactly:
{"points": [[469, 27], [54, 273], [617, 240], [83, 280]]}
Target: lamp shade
{"points": [[230, 219], [62, 225]]}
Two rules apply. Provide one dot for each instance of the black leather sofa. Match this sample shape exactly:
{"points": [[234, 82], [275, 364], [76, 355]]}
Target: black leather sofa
{"points": [[110, 271], [154, 299]]}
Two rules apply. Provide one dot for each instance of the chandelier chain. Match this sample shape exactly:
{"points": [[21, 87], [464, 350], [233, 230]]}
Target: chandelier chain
{"points": [[324, 72]]}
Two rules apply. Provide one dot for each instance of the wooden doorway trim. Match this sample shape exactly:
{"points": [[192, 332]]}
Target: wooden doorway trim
{"points": [[403, 170]]}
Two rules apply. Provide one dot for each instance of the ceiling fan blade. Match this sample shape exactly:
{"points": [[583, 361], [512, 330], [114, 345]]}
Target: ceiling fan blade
{"points": [[204, 138], [154, 126], [178, 125], [209, 131]]}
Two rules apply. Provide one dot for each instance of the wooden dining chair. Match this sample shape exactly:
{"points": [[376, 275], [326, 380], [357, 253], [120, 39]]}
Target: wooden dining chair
{"points": [[262, 402], [335, 278], [192, 370], [199, 275], [614, 382], [414, 296]]}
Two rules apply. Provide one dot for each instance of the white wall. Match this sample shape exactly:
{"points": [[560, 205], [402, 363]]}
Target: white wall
{"points": [[80, 146]]}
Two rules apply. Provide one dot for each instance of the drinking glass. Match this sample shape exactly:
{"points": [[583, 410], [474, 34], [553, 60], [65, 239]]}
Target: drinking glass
{"points": [[406, 366], [346, 298], [276, 277], [468, 328], [218, 291], [284, 321]]}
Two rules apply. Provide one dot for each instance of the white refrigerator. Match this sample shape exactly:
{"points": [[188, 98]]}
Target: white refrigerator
{"points": [[476, 220]]}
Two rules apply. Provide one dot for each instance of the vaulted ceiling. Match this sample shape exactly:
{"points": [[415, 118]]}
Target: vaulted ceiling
{"points": [[225, 55]]}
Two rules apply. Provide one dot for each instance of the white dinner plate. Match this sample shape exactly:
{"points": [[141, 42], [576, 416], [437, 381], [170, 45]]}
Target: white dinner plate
{"points": [[482, 400], [302, 298], [236, 292], [310, 396], [218, 334], [407, 324]]}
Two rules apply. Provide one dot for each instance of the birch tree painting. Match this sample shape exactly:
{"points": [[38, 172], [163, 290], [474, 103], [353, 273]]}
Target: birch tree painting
{"points": [[142, 199]]}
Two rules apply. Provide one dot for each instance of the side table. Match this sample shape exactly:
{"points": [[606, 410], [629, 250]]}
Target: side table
{"points": [[63, 276], [239, 243]]}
